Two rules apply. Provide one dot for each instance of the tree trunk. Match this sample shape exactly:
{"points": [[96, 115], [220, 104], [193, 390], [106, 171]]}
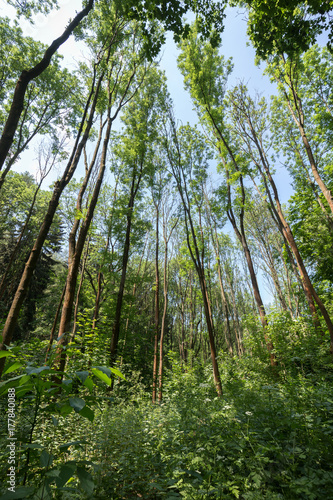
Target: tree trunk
{"points": [[307, 285], [77, 300], [240, 233], [54, 326], [116, 325], [157, 305]]}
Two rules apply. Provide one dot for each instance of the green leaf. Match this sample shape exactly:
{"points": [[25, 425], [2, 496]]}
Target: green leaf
{"points": [[66, 472], [104, 369], [82, 375], [32, 370], [54, 420], [46, 459], [101, 375], [44, 492], [115, 371], [193, 473], [65, 410], [14, 366], [64, 447], [89, 383], [86, 481], [77, 404], [5, 354], [24, 379], [53, 473], [88, 413], [12, 382]]}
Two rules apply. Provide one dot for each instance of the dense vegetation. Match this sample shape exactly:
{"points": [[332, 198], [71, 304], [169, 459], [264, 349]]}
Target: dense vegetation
{"points": [[138, 356]]}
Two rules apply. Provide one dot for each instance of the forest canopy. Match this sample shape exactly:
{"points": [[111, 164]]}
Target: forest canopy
{"points": [[140, 353]]}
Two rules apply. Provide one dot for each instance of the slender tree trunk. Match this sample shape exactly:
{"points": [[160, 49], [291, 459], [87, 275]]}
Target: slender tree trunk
{"points": [[54, 326], [237, 327], [78, 293], [307, 284], [165, 308], [240, 233], [165, 305], [131, 304], [196, 256], [157, 305], [116, 325], [223, 295]]}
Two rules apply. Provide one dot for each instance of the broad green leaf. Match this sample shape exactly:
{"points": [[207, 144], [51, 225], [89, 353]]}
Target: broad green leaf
{"points": [[86, 481], [53, 473], [15, 366], [77, 404], [66, 472], [24, 379], [7, 384], [5, 354], [104, 369], [32, 370], [46, 459], [65, 410], [44, 492], [102, 376], [82, 375], [89, 383], [115, 371], [88, 413]]}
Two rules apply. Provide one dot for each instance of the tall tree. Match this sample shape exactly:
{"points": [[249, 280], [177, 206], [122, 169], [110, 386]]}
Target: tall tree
{"points": [[287, 26], [308, 117], [163, 14], [26, 76], [188, 158]]}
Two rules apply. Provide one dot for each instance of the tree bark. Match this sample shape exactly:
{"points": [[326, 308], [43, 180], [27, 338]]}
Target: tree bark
{"points": [[157, 305]]}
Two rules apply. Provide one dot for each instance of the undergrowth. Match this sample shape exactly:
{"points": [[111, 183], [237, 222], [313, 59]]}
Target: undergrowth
{"points": [[269, 437], [265, 439]]}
